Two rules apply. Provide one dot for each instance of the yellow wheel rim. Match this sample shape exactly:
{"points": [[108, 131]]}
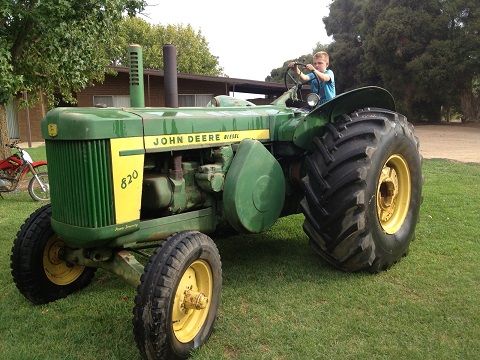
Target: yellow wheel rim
{"points": [[393, 194], [192, 301], [56, 269]]}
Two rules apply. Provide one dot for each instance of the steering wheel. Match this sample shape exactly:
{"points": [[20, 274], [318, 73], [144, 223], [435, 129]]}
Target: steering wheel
{"points": [[289, 77], [290, 80], [296, 81]]}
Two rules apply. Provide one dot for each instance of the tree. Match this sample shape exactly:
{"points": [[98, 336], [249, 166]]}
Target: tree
{"points": [[397, 33], [464, 33], [427, 53], [193, 55], [56, 47], [346, 51], [470, 102]]}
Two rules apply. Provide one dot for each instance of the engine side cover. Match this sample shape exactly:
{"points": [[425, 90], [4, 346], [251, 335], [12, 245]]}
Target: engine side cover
{"points": [[254, 190]]}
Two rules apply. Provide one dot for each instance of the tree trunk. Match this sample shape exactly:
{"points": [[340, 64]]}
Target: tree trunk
{"points": [[4, 139], [470, 105]]}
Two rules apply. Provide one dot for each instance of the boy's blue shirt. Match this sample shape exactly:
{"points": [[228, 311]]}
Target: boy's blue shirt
{"points": [[327, 89]]}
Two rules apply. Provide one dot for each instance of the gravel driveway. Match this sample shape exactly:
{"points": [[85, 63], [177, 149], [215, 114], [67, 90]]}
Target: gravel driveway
{"points": [[459, 142]]}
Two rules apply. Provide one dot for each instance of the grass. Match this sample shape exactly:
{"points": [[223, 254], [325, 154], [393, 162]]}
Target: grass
{"points": [[280, 301]]}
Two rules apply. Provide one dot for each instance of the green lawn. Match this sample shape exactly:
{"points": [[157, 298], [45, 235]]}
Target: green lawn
{"points": [[280, 301]]}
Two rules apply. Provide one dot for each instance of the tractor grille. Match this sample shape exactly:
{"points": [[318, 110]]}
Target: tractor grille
{"points": [[80, 178]]}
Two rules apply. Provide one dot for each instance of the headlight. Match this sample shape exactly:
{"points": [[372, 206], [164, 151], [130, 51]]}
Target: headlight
{"points": [[313, 99]]}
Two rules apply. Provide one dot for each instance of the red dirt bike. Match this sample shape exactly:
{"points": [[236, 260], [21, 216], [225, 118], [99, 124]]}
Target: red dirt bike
{"points": [[14, 168]]}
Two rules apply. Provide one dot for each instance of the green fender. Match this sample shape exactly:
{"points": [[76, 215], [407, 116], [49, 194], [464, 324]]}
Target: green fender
{"points": [[346, 103]]}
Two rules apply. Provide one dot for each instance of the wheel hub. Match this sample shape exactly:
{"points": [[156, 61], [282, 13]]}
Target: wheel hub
{"points": [[388, 193], [194, 300], [191, 303], [56, 269], [393, 194]]}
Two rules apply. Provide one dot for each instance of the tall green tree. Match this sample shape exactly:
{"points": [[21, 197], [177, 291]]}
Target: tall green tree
{"points": [[425, 52], [464, 51], [56, 47], [346, 51], [193, 54], [397, 34]]}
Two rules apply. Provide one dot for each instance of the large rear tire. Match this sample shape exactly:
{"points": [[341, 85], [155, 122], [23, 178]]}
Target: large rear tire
{"points": [[363, 190], [178, 297], [38, 270]]}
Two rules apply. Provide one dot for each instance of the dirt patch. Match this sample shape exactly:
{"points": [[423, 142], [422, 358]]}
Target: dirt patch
{"points": [[459, 142]]}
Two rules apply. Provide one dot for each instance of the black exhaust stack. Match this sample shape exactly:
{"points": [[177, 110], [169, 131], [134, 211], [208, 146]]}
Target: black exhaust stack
{"points": [[170, 75]]}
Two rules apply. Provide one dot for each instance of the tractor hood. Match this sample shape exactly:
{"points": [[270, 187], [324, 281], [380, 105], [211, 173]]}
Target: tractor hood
{"points": [[166, 128]]}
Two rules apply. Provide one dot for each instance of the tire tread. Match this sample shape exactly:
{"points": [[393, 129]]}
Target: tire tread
{"points": [[335, 185]]}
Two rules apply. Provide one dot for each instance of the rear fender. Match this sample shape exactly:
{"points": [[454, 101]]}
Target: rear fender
{"points": [[312, 125]]}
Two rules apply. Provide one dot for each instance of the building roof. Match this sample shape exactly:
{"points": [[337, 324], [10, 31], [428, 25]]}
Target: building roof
{"points": [[235, 85]]}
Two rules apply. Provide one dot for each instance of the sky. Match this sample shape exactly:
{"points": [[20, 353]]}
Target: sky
{"points": [[249, 37]]}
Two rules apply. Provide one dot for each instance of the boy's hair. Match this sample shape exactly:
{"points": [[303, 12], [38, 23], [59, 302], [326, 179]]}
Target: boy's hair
{"points": [[323, 55]]}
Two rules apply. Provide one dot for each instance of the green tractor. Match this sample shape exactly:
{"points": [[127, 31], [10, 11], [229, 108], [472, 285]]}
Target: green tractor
{"points": [[126, 180]]}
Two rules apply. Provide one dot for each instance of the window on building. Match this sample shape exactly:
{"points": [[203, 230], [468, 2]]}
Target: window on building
{"points": [[112, 100], [194, 99], [12, 119]]}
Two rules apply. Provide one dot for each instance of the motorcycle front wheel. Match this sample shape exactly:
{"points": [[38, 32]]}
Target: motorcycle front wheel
{"points": [[39, 188]]}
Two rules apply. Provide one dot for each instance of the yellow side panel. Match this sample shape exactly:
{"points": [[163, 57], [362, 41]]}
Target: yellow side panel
{"points": [[127, 177]]}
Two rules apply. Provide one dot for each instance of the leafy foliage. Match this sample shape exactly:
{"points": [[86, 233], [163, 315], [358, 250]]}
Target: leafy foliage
{"points": [[57, 47], [426, 53], [193, 55], [346, 51]]}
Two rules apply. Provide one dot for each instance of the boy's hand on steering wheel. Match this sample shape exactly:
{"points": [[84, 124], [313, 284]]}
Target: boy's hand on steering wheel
{"points": [[294, 66]]}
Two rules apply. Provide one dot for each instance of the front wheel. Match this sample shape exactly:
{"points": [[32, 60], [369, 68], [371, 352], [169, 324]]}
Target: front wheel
{"points": [[363, 190], [38, 270], [39, 188], [178, 297]]}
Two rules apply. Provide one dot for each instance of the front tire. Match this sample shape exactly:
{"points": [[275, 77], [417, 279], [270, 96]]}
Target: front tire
{"points": [[178, 297], [38, 270], [363, 190], [35, 189]]}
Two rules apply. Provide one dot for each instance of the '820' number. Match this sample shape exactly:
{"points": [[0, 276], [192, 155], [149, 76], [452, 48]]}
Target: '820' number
{"points": [[129, 179]]}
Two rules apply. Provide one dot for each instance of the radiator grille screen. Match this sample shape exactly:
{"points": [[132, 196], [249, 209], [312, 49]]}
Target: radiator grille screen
{"points": [[80, 177]]}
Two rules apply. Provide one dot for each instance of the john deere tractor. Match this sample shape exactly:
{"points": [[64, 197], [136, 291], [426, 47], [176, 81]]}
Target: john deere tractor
{"points": [[124, 180]]}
